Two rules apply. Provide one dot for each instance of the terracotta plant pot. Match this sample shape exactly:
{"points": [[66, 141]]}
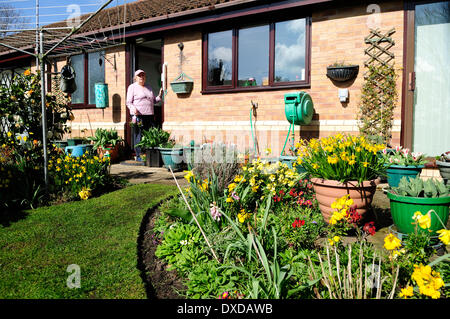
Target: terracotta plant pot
{"points": [[113, 152], [327, 191]]}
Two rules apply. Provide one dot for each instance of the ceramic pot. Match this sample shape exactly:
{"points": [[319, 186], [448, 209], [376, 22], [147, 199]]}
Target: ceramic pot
{"points": [[327, 191]]}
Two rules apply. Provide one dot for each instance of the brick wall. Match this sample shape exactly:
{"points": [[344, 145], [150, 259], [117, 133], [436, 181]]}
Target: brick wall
{"points": [[336, 35], [86, 121]]}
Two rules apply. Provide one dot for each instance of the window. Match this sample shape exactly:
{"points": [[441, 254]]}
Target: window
{"points": [[89, 69], [257, 57]]}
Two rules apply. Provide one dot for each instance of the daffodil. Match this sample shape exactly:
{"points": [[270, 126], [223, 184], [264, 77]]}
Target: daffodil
{"points": [[444, 236]]}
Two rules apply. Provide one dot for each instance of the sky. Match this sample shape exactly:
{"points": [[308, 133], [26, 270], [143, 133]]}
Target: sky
{"points": [[55, 10]]}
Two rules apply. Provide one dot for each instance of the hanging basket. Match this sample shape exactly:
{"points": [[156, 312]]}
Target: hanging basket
{"points": [[342, 73], [181, 85], [67, 84]]}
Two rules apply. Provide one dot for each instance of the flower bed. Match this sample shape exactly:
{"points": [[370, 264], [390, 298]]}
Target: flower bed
{"points": [[263, 236]]}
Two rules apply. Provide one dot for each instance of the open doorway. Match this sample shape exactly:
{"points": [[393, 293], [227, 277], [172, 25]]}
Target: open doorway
{"points": [[148, 57]]}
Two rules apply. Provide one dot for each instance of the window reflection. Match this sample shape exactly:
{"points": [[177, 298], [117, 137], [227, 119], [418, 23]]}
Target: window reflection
{"points": [[290, 50], [220, 58], [253, 51]]}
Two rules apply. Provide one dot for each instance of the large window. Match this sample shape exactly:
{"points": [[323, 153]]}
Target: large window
{"points": [[89, 69], [257, 57]]}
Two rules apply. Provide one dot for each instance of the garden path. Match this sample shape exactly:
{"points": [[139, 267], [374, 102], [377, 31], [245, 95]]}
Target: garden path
{"points": [[143, 174]]}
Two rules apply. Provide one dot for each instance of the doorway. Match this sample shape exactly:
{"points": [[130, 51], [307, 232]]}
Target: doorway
{"points": [[148, 57], [427, 104]]}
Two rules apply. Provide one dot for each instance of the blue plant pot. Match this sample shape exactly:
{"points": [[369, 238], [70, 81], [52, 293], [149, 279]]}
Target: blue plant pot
{"points": [[76, 151], [396, 172], [172, 158]]}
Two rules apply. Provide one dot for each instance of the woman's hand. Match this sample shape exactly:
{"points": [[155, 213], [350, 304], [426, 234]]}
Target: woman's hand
{"points": [[160, 92]]}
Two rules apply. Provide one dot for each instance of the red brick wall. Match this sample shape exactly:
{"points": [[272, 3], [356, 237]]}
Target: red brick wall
{"points": [[337, 35]]}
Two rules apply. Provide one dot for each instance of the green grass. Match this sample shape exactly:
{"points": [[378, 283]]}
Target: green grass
{"points": [[100, 235]]}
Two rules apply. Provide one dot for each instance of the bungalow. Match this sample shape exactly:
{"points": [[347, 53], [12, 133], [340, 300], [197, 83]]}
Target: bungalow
{"points": [[241, 53]]}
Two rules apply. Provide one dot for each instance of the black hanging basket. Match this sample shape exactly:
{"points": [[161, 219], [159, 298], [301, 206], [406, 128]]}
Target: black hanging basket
{"points": [[342, 73], [68, 84]]}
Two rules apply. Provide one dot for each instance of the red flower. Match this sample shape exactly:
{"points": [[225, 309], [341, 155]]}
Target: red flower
{"points": [[369, 228], [353, 215], [298, 223], [293, 193], [281, 192]]}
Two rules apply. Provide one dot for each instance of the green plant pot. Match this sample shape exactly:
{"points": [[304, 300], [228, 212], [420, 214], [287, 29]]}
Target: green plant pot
{"points": [[290, 160], [444, 170], [396, 172], [404, 207], [172, 157]]}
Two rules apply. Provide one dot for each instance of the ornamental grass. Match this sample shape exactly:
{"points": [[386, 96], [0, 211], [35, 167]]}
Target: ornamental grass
{"points": [[341, 157]]}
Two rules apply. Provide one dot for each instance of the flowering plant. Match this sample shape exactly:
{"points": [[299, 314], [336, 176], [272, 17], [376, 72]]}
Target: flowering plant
{"points": [[345, 217], [341, 157], [403, 156]]}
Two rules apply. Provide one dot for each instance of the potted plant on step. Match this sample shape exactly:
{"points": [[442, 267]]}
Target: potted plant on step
{"points": [[418, 195], [150, 141], [172, 155], [106, 142], [402, 162], [443, 163], [341, 165]]}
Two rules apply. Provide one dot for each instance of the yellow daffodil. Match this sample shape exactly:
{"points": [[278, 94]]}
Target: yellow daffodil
{"points": [[188, 176], [424, 221], [85, 193], [444, 236]]}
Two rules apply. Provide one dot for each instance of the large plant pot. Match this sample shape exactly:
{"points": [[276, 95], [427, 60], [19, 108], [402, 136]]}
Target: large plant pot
{"points": [[113, 152], [327, 191], [153, 157], [444, 169], [172, 158], [396, 172], [404, 207]]}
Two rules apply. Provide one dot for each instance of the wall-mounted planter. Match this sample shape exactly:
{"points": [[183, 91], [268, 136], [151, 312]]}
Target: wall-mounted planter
{"points": [[181, 85], [342, 73]]}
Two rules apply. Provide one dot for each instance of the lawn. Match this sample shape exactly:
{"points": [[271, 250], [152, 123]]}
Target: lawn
{"points": [[100, 235]]}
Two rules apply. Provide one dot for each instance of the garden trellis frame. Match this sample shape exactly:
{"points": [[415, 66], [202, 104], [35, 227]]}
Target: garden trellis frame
{"points": [[57, 40]]}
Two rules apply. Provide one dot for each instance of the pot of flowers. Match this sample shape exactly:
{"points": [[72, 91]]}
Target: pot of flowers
{"points": [[172, 155], [341, 165], [418, 195], [401, 162], [150, 141], [106, 142], [443, 163]]}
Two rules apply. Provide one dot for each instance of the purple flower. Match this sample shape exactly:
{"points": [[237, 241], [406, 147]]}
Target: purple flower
{"points": [[215, 213], [314, 222], [235, 196]]}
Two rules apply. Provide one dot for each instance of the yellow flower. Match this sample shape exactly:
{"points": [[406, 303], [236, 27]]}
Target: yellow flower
{"points": [[391, 242], [406, 292], [334, 240], [238, 178], [9, 134], [444, 236], [424, 221], [429, 281], [231, 187], [365, 164], [243, 216], [85, 193], [188, 176], [315, 166], [27, 72], [332, 159]]}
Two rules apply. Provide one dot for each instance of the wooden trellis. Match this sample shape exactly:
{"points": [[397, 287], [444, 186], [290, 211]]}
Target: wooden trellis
{"points": [[379, 96], [379, 45]]}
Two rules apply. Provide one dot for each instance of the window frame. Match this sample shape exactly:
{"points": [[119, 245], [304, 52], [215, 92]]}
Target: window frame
{"points": [[210, 89], [86, 104]]}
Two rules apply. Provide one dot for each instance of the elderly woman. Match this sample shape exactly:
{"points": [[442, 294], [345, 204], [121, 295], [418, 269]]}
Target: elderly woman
{"points": [[141, 101]]}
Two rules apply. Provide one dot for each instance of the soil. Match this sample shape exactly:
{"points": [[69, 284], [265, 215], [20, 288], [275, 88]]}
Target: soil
{"points": [[160, 283]]}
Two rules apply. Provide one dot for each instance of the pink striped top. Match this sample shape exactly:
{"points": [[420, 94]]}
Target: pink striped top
{"points": [[141, 98]]}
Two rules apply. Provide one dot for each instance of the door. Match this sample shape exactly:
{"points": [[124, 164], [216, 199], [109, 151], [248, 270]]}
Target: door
{"points": [[430, 82]]}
